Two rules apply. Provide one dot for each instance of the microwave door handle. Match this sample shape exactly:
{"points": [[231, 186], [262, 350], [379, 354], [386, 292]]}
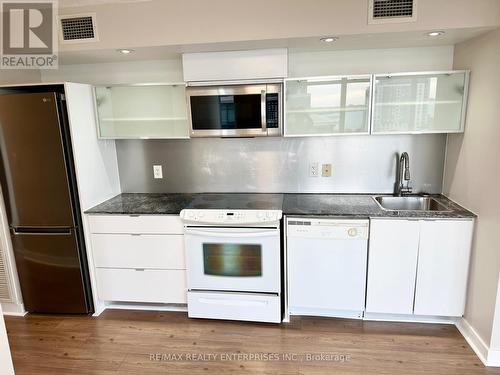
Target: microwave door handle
{"points": [[263, 110]]}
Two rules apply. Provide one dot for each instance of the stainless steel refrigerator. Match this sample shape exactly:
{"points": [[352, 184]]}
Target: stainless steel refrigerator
{"points": [[41, 199]]}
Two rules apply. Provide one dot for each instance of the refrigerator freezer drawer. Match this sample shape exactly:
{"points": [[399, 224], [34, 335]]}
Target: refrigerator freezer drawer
{"points": [[49, 271], [234, 306], [141, 285]]}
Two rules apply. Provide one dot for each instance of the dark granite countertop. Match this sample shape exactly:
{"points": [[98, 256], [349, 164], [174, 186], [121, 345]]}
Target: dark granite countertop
{"points": [[335, 205], [143, 204], [237, 201], [361, 206]]}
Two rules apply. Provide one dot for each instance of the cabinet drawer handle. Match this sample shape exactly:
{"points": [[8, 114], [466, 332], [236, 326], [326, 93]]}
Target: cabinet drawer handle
{"points": [[140, 269], [135, 234]]}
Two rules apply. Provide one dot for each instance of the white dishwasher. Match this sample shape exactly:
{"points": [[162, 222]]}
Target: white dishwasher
{"points": [[326, 266]]}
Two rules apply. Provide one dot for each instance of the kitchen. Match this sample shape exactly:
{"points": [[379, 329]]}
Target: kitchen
{"points": [[321, 189]]}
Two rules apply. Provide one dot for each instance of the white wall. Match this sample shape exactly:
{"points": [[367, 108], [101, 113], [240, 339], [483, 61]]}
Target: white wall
{"points": [[19, 76], [388, 60], [6, 367], [472, 178], [169, 70]]}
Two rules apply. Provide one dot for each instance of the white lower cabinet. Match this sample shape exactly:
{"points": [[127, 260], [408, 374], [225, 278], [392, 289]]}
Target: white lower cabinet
{"points": [[392, 263], [142, 285], [418, 267], [139, 258], [156, 251], [443, 263]]}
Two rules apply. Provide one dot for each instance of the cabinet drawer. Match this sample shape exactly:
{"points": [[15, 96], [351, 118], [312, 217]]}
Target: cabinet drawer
{"points": [[161, 251], [251, 307], [144, 224], [149, 286]]}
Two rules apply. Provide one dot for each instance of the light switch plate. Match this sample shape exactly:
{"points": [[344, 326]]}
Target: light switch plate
{"points": [[326, 170], [157, 171], [313, 169]]}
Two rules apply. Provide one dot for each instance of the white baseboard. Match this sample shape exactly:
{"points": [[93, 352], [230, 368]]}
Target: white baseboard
{"points": [[493, 358], [99, 307], [474, 340], [14, 309], [409, 318], [141, 306]]}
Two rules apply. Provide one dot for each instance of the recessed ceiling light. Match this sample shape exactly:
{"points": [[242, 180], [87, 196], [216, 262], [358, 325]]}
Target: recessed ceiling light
{"points": [[435, 33], [329, 39], [125, 51]]}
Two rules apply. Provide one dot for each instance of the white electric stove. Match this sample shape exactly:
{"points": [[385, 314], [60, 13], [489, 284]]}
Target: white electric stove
{"points": [[233, 257]]}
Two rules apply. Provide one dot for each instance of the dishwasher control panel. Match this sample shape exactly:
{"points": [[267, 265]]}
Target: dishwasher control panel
{"points": [[328, 228]]}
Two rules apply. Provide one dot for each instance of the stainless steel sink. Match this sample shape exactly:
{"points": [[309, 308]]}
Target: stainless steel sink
{"points": [[410, 204]]}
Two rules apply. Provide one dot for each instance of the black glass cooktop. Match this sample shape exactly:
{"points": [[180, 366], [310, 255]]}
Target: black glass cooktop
{"points": [[237, 201]]}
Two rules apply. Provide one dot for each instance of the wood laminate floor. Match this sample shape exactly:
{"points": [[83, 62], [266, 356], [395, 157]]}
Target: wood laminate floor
{"points": [[145, 342]]}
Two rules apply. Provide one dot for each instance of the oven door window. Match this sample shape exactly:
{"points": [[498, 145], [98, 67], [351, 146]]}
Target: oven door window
{"points": [[236, 260], [226, 112]]}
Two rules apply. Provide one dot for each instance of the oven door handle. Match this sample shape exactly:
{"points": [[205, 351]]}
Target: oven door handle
{"points": [[268, 233]]}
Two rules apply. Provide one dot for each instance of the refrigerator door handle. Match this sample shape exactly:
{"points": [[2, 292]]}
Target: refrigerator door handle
{"points": [[35, 231]]}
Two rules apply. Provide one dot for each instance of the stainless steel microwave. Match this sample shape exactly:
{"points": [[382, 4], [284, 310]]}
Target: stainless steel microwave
{"points": [[248, 110]]}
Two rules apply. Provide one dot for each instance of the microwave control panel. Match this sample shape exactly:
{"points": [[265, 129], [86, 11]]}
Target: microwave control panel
{"points": [[272, 110]]}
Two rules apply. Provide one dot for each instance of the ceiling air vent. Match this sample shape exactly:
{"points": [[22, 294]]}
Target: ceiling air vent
{"points": [[392, 11], [78, 28]]}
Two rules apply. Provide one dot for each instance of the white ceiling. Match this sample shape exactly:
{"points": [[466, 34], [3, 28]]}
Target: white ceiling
{"points": [[162, 29]]}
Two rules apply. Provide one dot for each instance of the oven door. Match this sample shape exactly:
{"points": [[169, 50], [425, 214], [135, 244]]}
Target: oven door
{"points": [[233, 259], [234, 111]]}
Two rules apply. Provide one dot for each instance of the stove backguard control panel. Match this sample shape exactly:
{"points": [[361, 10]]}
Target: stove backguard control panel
{"points": [[230, 217]]}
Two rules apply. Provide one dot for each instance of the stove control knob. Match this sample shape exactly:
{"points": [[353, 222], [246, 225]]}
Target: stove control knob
{"points": [[269, 215], [352, 232], [259, 215]]}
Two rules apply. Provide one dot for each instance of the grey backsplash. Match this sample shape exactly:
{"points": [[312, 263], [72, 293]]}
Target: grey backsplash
{"points": [[361, 164]]}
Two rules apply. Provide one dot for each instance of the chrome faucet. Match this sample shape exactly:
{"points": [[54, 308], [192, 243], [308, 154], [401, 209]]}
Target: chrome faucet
{"points": [[403, 175]]}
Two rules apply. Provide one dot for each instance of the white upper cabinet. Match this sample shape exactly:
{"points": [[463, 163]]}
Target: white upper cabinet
{"points": [[142, 111], [327, 105], [420, 102], [235, 65]]}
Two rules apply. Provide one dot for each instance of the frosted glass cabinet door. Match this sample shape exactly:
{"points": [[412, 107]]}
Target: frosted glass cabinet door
{"points": [[144, 111], [419, 103], [327, 105]]}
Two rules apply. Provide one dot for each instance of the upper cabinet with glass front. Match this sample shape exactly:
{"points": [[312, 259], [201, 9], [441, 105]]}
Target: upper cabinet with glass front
{"points": [[420, 102], [142, 111], [327, 105]]}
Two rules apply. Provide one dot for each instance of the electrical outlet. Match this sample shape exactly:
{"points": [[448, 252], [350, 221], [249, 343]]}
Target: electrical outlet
{"points": [[157, 171], [313, 170], [326, 170]]}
